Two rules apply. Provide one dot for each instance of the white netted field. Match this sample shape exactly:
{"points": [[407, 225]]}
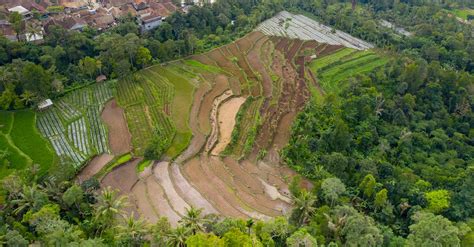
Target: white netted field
{"points": [[301, 27]]}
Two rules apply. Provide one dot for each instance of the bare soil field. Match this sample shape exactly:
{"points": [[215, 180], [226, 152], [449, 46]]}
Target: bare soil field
{"points": [[226, 122], [195, 174], [94, 166], [213, 137], [119, 136], [191, 195], [162, 175], [123, 177]]}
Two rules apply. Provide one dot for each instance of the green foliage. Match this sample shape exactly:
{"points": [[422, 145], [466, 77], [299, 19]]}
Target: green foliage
{"points": [[236, 238], [26, 137], [431, 230], [332, 189], [381, 198], [204, 240], [301, 238], [367, 186], [438, 200]]}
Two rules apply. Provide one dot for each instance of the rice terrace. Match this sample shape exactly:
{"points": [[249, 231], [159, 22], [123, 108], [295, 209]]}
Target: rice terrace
{"points": [[220, 118]]}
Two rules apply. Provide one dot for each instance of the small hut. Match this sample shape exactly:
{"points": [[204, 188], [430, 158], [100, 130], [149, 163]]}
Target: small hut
{"points": [[43, 105], [100, 78]]}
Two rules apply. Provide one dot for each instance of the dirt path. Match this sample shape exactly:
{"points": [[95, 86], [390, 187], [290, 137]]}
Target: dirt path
{"points": [[226, 122], [93, 167], [119, 136]]}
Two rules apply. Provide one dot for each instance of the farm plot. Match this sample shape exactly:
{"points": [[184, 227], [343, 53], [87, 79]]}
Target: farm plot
{"points": [[301, 27], [158, 98], [21, 145], [73, 125], [336, 67]]}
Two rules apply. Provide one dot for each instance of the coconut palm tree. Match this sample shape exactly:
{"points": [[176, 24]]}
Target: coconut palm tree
{"points": [[33, 30], [29, 198], [133, 232], [304, 204], [109, 206], [193, 220], [177, 238], [27, 97]]}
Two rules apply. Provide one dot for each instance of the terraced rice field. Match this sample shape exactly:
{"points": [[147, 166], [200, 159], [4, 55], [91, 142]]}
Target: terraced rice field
{"points": [[21, 144], [228, 113], [73, 125], [345, 63]]}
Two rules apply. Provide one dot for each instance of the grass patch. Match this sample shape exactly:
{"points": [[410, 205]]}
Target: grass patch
{"points": [[6, 121], [112, 164], [143, 164], [14, 160], [201, 66], [21, 145], [29, 141], [179, 144], [463, 13]]}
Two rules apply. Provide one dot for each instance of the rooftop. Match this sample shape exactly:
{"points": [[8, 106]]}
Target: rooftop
{"points": [[20, 9]]}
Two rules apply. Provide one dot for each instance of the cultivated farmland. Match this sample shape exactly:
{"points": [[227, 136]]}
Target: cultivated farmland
{"points": [[226, 114], [21, 144], [334, 68], [74, 126]]}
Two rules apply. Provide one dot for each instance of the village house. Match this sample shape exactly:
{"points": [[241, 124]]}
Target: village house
{"points": [[149, 22], [6, 30], [22, 11]]}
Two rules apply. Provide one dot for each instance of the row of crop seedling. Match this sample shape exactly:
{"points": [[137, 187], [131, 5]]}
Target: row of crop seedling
{"points": [[77, 132], [73, 125]]}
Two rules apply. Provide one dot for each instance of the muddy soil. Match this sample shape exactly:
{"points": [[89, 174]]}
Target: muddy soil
{"points": [[220, 86], [213, 137], [161, 173], [157, 197], [188, 192], [194, 174], [226, 122], [123, 177], [119, 136], [93, 167]]}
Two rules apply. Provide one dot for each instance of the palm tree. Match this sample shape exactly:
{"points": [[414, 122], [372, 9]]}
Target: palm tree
{"points": [[108, 207], [28, 199], [304, 204], [32, 30], [27, 97], [54, 190], [193, 220], [177, 238], [249, 225], [133, 232]]}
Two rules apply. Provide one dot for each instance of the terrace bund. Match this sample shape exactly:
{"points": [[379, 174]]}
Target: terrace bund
{"points": [[226, 115]]}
